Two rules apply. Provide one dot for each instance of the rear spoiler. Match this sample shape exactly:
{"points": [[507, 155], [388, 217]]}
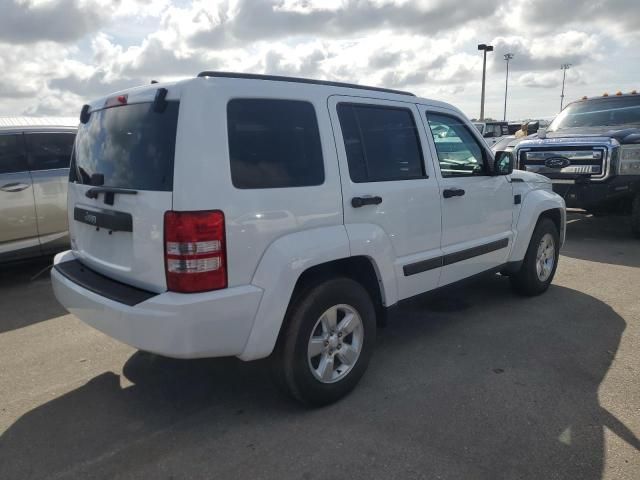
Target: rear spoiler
{"points": [[159, 104]]}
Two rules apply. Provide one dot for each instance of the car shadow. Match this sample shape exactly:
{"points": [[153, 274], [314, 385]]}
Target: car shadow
{"points": [[27, 297], [606, 239], [477, 384]]}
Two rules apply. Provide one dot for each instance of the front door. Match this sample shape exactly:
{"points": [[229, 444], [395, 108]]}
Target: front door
{"points": [[390, 196], [477, 206]]}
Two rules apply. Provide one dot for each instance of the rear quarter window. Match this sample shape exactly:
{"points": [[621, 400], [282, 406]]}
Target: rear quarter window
{"points": [[274, 144], [48, 151]]}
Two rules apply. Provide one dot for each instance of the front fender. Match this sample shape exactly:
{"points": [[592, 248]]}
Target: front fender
{"points": [[534, 204], [278, 271]]}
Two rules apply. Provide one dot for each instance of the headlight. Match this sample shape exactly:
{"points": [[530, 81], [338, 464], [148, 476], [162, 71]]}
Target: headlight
{"points": [[630, 160]]}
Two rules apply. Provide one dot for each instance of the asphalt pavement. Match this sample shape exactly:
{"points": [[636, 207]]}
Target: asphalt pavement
{"points": [[474, 383]]}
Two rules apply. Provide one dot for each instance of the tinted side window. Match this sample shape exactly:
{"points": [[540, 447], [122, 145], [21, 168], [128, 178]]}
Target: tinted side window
{"points": [[12, 155], [459, 153], [382, 143], [274, 144], [49, 150]]}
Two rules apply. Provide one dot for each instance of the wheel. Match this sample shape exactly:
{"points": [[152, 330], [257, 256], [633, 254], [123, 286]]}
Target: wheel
{"points": [[635, 216], [540, 262], [326, 342]]}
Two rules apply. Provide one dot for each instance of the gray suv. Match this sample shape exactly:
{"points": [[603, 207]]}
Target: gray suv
{"points": [[34, 170]]}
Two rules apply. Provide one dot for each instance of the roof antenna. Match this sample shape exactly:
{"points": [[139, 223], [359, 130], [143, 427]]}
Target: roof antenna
{"points": [[153, 81]]}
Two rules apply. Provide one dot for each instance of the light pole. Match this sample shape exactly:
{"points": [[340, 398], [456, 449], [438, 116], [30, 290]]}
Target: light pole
{"points": [[564, 67], [485, 49], [507, 57]]}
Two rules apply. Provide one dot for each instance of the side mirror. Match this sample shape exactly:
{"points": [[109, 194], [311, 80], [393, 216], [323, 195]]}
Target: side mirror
{"points": [[503, 163], [489, 134]]}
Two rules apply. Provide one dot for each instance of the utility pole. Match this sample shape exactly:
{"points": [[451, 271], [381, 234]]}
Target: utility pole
{"points": [[564, 67], [507, 57], [485, 49]]}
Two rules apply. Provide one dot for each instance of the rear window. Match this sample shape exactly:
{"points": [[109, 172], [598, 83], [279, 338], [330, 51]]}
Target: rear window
{"points": [[130, 146], [274, 144]]}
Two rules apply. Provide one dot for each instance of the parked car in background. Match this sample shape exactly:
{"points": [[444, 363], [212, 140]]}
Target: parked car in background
{"points": [[513, 127], [505, 144], [591, 153], [34, 172], [492, 131], [253, 216]]}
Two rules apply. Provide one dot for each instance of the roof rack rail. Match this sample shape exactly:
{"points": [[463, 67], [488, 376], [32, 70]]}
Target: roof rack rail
{"points": [[279, 78]]}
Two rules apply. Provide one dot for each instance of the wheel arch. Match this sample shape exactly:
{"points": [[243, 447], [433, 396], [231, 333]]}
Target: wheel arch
{"points": [[294, 262], [536, 205], [360, 268]]}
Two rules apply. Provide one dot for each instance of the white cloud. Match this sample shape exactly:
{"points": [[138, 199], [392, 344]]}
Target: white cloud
{"points": [[60, 53]]}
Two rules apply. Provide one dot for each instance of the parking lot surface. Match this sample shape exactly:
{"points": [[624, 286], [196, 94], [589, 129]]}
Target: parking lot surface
{"points": [[470, 383]]}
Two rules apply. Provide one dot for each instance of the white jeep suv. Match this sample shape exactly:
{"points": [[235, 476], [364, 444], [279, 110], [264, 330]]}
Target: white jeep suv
{"points": [[254, 216]]}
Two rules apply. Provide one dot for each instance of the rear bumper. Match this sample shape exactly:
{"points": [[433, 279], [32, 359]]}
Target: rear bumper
{"points": [[593, 194], [197, 325]]}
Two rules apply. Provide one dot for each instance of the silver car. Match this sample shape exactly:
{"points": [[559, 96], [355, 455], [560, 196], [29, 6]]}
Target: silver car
{"points": [[34, 171]]}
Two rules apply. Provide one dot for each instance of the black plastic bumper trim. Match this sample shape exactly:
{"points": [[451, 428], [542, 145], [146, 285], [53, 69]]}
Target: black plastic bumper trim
{"points": [[422, 266], [101, 285], [475, 251], [425, 265]]}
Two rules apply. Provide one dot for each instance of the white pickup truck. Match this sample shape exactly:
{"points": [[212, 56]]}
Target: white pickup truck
{"points": [[255, 216]]}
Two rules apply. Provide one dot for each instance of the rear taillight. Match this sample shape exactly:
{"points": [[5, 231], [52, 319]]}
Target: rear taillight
{"points": [[195, 254]]}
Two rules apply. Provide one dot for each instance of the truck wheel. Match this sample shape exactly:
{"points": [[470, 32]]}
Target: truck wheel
{"points": [[326, 342], [540, 261], [635, 216]]}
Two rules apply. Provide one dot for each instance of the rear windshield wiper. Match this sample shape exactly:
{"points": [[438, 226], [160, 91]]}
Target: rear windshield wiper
{"points": [[109, 193]]}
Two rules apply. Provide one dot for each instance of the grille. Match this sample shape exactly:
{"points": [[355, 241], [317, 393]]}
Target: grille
{"points": [[565, 162]]}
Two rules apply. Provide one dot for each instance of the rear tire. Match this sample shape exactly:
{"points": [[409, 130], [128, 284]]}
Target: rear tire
{"points": [[635, 216], [320, 357], [540, 262]]}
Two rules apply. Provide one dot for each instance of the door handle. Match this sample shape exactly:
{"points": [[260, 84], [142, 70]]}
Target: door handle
{"points": [[14, 187], [453, 192], [357, 202]]}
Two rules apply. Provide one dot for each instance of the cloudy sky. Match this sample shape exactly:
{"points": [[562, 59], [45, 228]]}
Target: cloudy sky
{"points": [[55, 54]]}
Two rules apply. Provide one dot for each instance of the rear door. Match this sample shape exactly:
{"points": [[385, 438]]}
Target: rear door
{"points": [[121, 184], [388, 182], [49, 154], [477, 207], [18, 230]]}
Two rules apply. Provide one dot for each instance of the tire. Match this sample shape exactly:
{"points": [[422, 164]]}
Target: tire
{"points": [[310, 315], [635, 216], [528, 281]]}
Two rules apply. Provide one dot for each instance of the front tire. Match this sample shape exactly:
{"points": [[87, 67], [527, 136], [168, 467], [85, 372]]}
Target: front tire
{"points": [[326, 342], [540, 262]]}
